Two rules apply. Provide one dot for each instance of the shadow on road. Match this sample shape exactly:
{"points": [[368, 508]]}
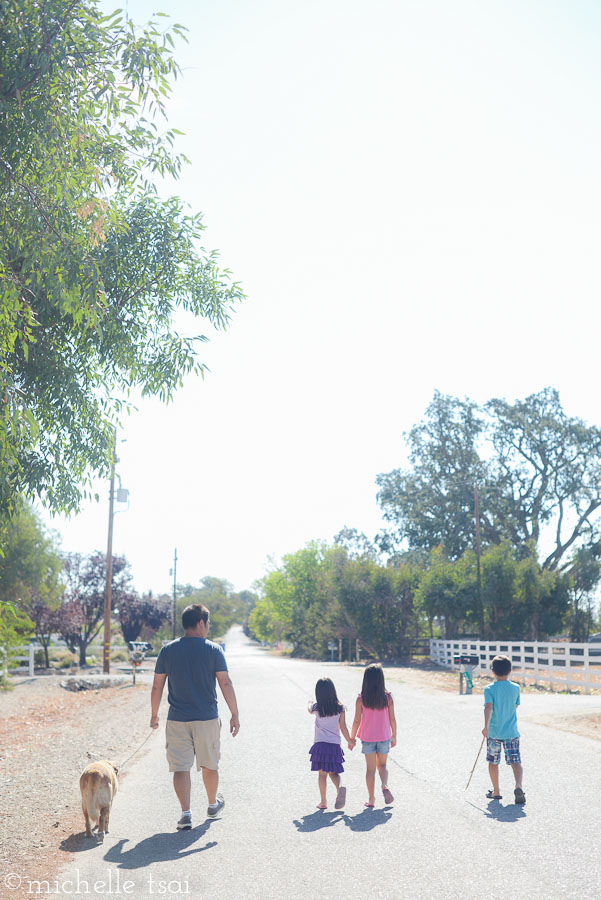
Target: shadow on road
{"points": [[512, 813], [77, 842], [318, 819], [159, 848], [367, 819], [363, 821]]}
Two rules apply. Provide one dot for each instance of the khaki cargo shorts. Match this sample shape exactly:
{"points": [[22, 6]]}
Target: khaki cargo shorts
{"points": [[186, 740]]}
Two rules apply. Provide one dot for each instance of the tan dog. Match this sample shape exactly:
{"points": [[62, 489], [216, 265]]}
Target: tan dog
{"points": [[98, 783]]}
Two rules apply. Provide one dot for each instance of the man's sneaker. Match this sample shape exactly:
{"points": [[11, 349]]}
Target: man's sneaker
{"points": [[216, 807], [185, 823]]}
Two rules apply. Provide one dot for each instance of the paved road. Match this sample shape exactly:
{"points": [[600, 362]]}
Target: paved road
{"points": [[437, 841]]}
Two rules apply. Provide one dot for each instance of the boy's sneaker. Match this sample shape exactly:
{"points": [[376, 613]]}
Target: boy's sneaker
{"points": [[185, 823], [216, 807]]}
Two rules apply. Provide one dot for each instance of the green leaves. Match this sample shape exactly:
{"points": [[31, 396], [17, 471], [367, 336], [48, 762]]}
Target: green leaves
{"points": [[93, 266], [537, 473]]}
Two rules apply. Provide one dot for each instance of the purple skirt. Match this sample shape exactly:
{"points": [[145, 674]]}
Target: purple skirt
{"points": [[326, 757]]}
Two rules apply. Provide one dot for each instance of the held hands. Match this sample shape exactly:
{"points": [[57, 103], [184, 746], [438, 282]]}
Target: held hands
{"points": [[154, 721], [351, 743]]}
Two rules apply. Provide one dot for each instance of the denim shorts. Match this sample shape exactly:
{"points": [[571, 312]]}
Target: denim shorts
{"points": [[511, 748], [381, 747]]}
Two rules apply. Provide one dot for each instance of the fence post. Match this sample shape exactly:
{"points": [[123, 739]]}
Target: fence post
{"points": [[586, 670], [31, 659], [523, 663]]}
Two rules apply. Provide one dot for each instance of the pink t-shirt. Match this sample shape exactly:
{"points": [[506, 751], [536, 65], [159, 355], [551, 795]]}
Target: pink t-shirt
{"points": [[375, 723]]}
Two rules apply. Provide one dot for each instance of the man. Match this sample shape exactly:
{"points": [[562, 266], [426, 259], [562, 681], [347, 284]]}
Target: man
{"points": [[193, 664]]}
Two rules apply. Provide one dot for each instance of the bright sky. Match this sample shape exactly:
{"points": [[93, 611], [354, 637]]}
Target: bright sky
{"points": [[409, 192]]}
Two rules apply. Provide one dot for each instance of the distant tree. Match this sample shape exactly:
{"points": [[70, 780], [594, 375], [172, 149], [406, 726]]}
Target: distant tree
{"points": [[86, 579], [321, 593], [262, 622], [30, 562], [357, 544], [137, 613], [377, 601], [584, 575], [536, 469], [519, 597], [15, 629], [47, 620], [30, 578], [226, 607], [447, 591], [70, 621], [432, 503]]}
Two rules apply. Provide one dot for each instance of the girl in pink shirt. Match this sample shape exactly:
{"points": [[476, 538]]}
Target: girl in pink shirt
{"points": [[326, 753], [375, 725]]}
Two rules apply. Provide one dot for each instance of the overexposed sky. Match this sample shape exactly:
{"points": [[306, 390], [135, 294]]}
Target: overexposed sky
{"points": [[410, 195]]}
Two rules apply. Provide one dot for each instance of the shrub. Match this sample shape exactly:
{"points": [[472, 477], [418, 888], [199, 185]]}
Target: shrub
{"points": [[63, 660]]}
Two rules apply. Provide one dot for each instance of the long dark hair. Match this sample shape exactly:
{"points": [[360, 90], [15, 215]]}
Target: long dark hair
{"points": [[373, 692], [327, 703]]}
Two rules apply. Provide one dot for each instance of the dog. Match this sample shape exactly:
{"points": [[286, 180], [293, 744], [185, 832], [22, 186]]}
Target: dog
{"points": [[98, 784]]}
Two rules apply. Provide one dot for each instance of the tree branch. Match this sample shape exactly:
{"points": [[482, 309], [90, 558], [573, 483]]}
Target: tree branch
{"points": [[15, 89], [553, 558]]}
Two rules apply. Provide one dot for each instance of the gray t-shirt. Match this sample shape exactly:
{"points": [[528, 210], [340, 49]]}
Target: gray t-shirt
{"points": [[190, 664]]}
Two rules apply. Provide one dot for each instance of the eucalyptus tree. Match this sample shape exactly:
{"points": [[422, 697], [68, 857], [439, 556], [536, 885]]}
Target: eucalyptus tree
{"points": [[93, 263], [538, 472]]}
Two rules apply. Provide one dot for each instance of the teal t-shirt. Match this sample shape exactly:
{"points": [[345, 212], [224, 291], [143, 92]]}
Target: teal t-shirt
{"points": [[191, 664], [505, 697]]}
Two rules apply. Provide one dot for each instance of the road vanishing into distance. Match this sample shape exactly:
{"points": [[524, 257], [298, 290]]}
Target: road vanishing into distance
{"points": [[437, 840]]}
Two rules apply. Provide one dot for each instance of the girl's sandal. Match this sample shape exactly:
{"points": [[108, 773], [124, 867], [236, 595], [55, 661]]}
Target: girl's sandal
{"points": [[491, 796], [322, 806], [388, 798], [369, 805]]}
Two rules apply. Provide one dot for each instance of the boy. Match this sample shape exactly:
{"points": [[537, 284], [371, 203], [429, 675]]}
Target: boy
{"points": [[501, 700]]}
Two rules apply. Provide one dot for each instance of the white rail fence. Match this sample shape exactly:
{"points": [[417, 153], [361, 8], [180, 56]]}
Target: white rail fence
{"points": [[27, 657], [563, 666]]}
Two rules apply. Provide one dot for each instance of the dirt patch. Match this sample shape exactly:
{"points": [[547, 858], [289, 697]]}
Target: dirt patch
{"points": [[47, 736], [586, 726]]}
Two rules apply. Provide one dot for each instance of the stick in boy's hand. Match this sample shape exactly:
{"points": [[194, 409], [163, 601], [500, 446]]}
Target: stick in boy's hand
{"points": [[474, 766]]}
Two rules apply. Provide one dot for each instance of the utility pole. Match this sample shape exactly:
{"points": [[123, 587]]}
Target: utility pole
{"points": [[478, 575], [109, 569], [174, 587]]}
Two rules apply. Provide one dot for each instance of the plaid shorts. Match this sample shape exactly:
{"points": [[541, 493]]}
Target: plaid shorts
{"points": [[511, 748]]}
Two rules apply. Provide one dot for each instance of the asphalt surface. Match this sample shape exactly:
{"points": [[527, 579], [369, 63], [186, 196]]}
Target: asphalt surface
{"points": [[436, 841]]}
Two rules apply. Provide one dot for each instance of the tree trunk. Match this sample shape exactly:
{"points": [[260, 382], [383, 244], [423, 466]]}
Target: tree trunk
{"points": [[82, 652]]}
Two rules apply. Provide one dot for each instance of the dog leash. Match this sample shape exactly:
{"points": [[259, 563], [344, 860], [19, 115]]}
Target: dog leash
{"points": [[136, 751]]}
